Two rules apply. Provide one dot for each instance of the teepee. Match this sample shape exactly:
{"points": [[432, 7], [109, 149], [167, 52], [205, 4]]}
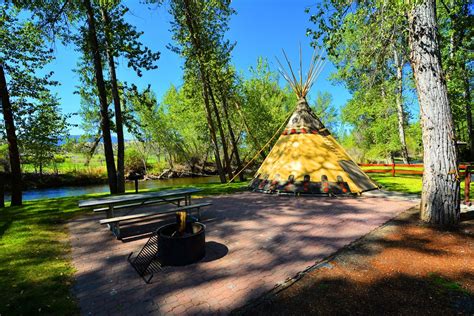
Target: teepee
{"points": [[306, 158]]}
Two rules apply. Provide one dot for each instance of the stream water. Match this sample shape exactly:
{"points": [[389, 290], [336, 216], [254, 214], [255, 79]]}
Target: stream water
{"points": [[129, 185]]}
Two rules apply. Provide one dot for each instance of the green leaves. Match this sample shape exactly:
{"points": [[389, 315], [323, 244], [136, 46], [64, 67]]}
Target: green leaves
{"points": [[23, 53]]}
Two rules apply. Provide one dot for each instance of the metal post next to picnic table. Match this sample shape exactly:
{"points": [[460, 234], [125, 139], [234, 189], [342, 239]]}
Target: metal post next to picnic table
{"points": [[110, 211]]}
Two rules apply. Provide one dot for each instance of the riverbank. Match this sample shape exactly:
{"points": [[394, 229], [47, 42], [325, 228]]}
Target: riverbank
{"points": [[33, 181]]}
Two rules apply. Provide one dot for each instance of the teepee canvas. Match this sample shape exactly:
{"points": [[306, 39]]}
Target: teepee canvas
{"points": [[306, 158]]}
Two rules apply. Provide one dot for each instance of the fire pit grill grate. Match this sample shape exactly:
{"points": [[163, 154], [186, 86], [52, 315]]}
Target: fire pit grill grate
{"points": [[146, 258]]}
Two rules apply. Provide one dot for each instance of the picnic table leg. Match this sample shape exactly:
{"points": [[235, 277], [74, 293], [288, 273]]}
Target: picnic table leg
{"points": [[110, 211], [115, 228]]}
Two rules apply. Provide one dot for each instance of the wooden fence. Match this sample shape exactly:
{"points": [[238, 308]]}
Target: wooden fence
{"points": [[465, 170]]}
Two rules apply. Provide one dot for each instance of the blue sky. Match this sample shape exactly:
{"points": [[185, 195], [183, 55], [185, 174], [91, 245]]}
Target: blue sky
{"points": [[260, 28]]}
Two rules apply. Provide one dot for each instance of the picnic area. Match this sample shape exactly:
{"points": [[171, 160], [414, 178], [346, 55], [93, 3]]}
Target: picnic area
{"points": [[216, 157]]}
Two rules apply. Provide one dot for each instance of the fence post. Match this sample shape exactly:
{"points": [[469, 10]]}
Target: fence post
{"points": [[393, 169], [467, 184], [136, 185]]}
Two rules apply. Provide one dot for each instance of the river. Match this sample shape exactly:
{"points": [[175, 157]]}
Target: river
{"points": [[103, 188]]}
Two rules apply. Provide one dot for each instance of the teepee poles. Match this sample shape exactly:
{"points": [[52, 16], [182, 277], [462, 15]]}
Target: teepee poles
{"points": [[300, 87]]}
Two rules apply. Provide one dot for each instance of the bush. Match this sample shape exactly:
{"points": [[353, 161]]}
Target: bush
{"points": [[134, 162], [59, 159]]}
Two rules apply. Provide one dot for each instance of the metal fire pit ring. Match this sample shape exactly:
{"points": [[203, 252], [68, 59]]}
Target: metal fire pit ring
{"points": [[181, 250]]}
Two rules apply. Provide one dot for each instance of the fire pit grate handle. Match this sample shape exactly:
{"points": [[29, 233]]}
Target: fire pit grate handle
{"points": [[146, 257]]}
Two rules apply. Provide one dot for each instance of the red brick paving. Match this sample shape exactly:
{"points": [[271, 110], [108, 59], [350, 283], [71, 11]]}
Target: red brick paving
{"points": [[254, 242]]}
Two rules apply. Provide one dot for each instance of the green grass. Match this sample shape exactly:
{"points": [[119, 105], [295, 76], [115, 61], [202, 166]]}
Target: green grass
{"points": [[407, 183], [74, 163], [446, 284], [35, 270]]}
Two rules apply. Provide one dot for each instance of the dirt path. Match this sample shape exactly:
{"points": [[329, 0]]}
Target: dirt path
{"points": [[402, 268]]}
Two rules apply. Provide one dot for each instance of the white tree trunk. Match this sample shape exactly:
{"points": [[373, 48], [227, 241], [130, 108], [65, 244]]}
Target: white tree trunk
{"points": [[400, 109], [440, 197]]}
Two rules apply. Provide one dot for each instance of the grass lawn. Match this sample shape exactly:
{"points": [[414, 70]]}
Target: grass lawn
{"points": [[408, 183], [35, 269]]}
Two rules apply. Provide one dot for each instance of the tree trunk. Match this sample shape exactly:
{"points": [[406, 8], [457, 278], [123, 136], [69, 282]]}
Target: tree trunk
{"points": [[400, 111], [117, 106], [205, 92], [458, 31], [2, 189], [104, 111], [13, 153], [212, 132], [467, 97], [440, 197], [231, 133], [228, 166]]}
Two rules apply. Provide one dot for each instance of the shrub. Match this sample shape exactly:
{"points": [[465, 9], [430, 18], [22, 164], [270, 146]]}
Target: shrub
{"points": [[134, 162]]}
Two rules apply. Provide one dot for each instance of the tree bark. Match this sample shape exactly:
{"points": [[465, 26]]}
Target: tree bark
{"points": [[104, 111], [13, 152], [117, 106], [467, 98], [231, 133], [2, 189], [400, 108], [440, 196], [205, 92], [228, 166]]}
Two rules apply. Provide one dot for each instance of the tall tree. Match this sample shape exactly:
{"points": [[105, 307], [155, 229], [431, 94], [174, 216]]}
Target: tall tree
{"points": [[116, 99], [122, 39], [440, 197], [457, 39], [41, 129], [13, 151], [23, 52], [364, 62], [104, 106], [198, 28], [399, 63]]}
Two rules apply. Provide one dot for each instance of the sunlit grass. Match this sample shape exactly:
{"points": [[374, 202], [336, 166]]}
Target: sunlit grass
{"points": [[407, 183]]}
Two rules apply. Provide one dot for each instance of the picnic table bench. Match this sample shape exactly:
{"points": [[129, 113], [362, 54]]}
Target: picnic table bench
{"points": [[109, 203], [114, 222]]}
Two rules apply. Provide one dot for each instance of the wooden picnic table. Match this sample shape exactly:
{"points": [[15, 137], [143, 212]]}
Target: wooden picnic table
{"points": [[138, 198]]}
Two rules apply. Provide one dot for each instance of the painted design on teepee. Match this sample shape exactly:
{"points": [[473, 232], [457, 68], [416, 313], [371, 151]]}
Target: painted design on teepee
{"points": [[307, 159]]}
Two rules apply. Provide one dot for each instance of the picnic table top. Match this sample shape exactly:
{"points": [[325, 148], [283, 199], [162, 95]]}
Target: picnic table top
{"points": [[137, 197]]}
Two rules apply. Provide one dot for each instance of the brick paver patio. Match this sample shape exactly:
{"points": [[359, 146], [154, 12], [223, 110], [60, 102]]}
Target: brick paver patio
{"points": [[254, 242]]}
